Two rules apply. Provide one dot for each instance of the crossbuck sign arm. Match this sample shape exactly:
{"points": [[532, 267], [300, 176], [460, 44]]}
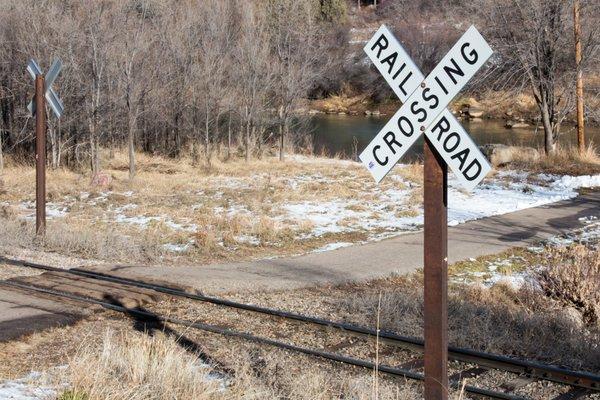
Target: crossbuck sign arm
{"points": [[424, 106]]}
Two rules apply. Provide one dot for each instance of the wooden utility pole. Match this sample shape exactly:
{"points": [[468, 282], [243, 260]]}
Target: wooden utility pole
{"points": [[579, 89], [40, 156]]}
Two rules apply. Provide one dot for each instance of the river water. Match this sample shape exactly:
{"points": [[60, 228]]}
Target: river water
{"points": [[337, 134]]}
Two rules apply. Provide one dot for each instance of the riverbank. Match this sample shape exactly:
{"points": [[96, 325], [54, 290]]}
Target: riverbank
{"points": [[518, 111], [177, 212]]}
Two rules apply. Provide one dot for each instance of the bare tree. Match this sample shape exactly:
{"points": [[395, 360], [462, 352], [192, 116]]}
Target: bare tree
{"points": [[300, 55], [532, 41], [135, 82], [254, 75], [157, 75]]}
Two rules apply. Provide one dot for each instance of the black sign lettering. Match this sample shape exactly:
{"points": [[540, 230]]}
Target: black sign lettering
{"points": [[419, 110], [390, 61], [453, 71], [382, 43], [475, 163], [447, 142], [390, 139], [462, 157], [430, 97], [441, 85], [407, 128], [443, 125], [401, 85], [473, 56], [375, 148]]}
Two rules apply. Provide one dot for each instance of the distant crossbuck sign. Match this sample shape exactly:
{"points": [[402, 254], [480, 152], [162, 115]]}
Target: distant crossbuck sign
{"points": [[51, 97], [424, 106]]}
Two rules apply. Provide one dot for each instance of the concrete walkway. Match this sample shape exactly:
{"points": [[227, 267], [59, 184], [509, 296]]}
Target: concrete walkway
{"points": [[22, 313], [399, 255]]}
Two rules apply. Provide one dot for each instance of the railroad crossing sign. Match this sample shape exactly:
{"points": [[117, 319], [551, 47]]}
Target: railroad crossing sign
{"points": [[51, 97], [423, 111], [424, 106], [37, 107]]}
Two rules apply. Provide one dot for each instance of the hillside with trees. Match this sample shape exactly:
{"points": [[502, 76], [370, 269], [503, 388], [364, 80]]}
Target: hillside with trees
{"points": [[232, 78]]}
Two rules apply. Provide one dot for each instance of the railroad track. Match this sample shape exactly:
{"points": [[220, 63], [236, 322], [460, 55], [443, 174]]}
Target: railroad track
{"points": [[580, 384]]}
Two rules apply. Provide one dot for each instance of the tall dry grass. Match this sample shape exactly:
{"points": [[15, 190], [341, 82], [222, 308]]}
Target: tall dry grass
{"points": [[566, 160], [499, 319], [571, 275], [136, 366], [70, 237]]}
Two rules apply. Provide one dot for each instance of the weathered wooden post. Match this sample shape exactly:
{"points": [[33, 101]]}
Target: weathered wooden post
{"points": [[436, 273], [40, 156]]}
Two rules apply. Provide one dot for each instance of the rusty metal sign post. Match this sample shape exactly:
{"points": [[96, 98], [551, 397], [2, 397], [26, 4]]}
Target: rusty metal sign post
{"points": [[37, 107], [446, 144]]}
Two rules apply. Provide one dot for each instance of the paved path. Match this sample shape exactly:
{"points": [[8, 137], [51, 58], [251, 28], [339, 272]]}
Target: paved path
{"points": [[399, 255], [21, 313]]}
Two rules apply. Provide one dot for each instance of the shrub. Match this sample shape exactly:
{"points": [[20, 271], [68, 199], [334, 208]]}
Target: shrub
{"points": [[571, 275]]}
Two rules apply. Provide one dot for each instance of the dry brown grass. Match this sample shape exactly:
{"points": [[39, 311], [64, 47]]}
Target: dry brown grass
{"points": [[137, 366], [84, 240], [571, 275], [237, 206], [498, 320], [565, 161], [133, 367]]}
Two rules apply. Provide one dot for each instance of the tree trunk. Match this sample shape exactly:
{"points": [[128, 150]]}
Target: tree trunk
{"points": [[53, 145], [549, 142], [247, 141], [207, 137], [95, 162], [1, 154], [281, 133], [131, 146], [281, 142], [579, 84], [229, 138]]}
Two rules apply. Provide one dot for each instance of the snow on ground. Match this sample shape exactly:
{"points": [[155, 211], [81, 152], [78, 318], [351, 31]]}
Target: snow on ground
{"points": [[27, 388], [333, 246], [378, 211], [510, 270], [507, 192]]}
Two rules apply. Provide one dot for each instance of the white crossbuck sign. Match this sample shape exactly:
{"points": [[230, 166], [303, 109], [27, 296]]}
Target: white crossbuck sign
{"points": [[424, 102], [51, 97]]}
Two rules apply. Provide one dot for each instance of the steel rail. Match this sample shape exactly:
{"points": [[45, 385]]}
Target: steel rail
{"points": [[529, 368], [261, 340]]}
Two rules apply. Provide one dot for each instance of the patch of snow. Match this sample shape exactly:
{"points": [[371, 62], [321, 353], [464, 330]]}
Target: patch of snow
{"points": [[507, 192], [144, 221], [53, 210], [577, 182], [252, 240], [26, 389], [494, 198], [333, 246], [126, 207], [135, 220], [515, 281], [177, 248]]}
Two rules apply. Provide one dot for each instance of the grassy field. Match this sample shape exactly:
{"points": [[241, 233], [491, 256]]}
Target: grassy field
{"points": [[177, 211], [235, 210]]}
